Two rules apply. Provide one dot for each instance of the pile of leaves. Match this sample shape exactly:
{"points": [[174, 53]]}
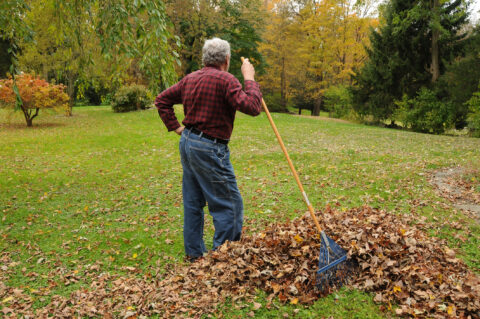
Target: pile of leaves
{"points": [[394, 259]]}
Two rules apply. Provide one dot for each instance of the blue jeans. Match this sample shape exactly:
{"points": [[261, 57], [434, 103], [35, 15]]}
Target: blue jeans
{"points": [[208, 177]]}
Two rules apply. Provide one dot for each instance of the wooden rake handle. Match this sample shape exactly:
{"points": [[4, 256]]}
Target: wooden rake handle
{"points": [[292, 168]]}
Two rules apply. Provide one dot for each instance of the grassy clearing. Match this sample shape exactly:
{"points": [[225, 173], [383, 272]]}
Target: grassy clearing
{"points": [[105, 189]]}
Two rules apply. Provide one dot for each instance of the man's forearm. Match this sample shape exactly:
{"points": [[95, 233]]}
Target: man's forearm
{"points": [[169, 119], [254, 99], [164, 103]]}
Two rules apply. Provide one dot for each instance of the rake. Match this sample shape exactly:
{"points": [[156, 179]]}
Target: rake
{"points": [[333, 268]]}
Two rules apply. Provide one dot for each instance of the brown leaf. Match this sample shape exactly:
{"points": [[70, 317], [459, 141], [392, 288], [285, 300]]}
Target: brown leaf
{"points": [[7, 310], [257, 306]]}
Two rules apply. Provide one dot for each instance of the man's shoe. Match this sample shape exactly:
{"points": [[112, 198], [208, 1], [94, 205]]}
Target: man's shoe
{"points": [[193, 259]]}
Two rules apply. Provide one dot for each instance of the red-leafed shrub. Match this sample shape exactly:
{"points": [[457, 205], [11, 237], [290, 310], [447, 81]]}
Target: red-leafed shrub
{"points": [[35, 94]]}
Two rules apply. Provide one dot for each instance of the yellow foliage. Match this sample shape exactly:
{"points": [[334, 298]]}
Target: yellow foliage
{"points": [[313, 47]]}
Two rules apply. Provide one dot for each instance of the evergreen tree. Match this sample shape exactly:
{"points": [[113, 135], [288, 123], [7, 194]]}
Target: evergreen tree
{"points": [[461, 79], [402, 56]]}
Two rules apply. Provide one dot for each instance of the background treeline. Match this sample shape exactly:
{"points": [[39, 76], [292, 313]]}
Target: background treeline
{"points": [[312, 49], [423, 67], [410, 63], [92, 47]]}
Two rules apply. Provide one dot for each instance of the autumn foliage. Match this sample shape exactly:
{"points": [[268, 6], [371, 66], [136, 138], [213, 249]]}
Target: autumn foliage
{"points": [[35, 94]]}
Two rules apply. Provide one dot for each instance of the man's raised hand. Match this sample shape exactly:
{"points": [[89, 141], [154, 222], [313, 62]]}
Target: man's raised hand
{"points": [[248, 70]]}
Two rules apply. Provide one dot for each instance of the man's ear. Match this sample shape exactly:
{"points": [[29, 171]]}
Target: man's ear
{"points": [[227, 63]]}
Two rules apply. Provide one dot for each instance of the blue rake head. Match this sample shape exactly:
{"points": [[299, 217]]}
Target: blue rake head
{"points": [[333, 268]]}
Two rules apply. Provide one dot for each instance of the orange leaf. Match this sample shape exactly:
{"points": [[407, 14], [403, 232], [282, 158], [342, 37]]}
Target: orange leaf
{"points": [[298, 239]]}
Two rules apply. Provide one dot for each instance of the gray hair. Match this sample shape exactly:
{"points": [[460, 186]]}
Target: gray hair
{"points": [[215, 52]]}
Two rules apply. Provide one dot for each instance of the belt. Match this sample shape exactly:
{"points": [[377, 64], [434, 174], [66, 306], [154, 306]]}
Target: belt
{"points": [[208, 137]]}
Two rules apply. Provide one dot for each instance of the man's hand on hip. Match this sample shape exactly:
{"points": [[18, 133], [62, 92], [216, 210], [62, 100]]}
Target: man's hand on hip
{"points": [[248, 70], [180, 130]]}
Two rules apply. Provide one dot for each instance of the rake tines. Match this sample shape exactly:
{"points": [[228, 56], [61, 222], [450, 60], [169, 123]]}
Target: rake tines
{"points": [[333, 269]]}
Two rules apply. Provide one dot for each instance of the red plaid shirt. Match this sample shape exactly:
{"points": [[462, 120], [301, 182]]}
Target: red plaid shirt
{"points": [[210, 98]]}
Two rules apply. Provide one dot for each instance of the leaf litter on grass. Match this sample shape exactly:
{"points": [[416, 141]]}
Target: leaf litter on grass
{"points": [[395, 260], [460, 186]]}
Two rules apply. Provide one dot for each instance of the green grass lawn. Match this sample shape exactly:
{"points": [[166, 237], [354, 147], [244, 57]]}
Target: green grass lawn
{"points": [[104, 189]]}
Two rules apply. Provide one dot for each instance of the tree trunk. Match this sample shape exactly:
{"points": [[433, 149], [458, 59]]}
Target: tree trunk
{"points": [[28, 117], [435, 67], [299, 110], [70, 92], [316, 106], [45, 72], [283, 88]]}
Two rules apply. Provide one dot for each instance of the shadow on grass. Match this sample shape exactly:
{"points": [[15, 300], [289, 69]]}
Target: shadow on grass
{"points": [[23, 126]]}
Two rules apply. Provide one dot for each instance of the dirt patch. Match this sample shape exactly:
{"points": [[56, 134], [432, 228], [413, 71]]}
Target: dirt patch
{"points": [[459, 186]]}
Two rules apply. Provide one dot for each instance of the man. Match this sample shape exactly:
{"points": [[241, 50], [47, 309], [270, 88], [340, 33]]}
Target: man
{"points": [[210, 98]]}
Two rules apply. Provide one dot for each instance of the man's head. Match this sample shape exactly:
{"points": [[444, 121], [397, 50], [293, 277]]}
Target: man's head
{"points": [[216, 52]]}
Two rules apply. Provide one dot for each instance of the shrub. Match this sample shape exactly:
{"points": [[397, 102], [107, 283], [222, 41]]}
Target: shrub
{"points": [[35, 94], [95, 95], [338, 102], [425, 113], [303, 102], [473, 119], [131, 98], [274, 103]]}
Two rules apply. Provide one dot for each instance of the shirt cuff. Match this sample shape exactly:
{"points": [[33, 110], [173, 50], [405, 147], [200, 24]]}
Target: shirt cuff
{"points": [[173, 127], [250, 83]]}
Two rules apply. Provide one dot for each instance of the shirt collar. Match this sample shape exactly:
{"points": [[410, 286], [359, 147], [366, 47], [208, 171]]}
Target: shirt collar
{"points": [[212, 67]]}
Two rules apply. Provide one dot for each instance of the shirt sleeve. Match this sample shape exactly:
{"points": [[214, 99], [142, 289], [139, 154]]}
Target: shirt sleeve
{"points": [[164, 103], [249, 100]]}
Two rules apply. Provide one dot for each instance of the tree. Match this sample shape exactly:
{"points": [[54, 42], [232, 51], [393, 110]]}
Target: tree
{"points": [[140, 30], [409, 51], [13, 28], [55, 52], [5, 57], [461, 78], [335, 33], [68, 53], [35, 94], [280, 46], [244, 22], [239, 22], [474, 114], [312, 45]]}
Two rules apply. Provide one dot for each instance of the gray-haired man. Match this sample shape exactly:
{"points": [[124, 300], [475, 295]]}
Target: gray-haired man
{"points": [[210, 97]]}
